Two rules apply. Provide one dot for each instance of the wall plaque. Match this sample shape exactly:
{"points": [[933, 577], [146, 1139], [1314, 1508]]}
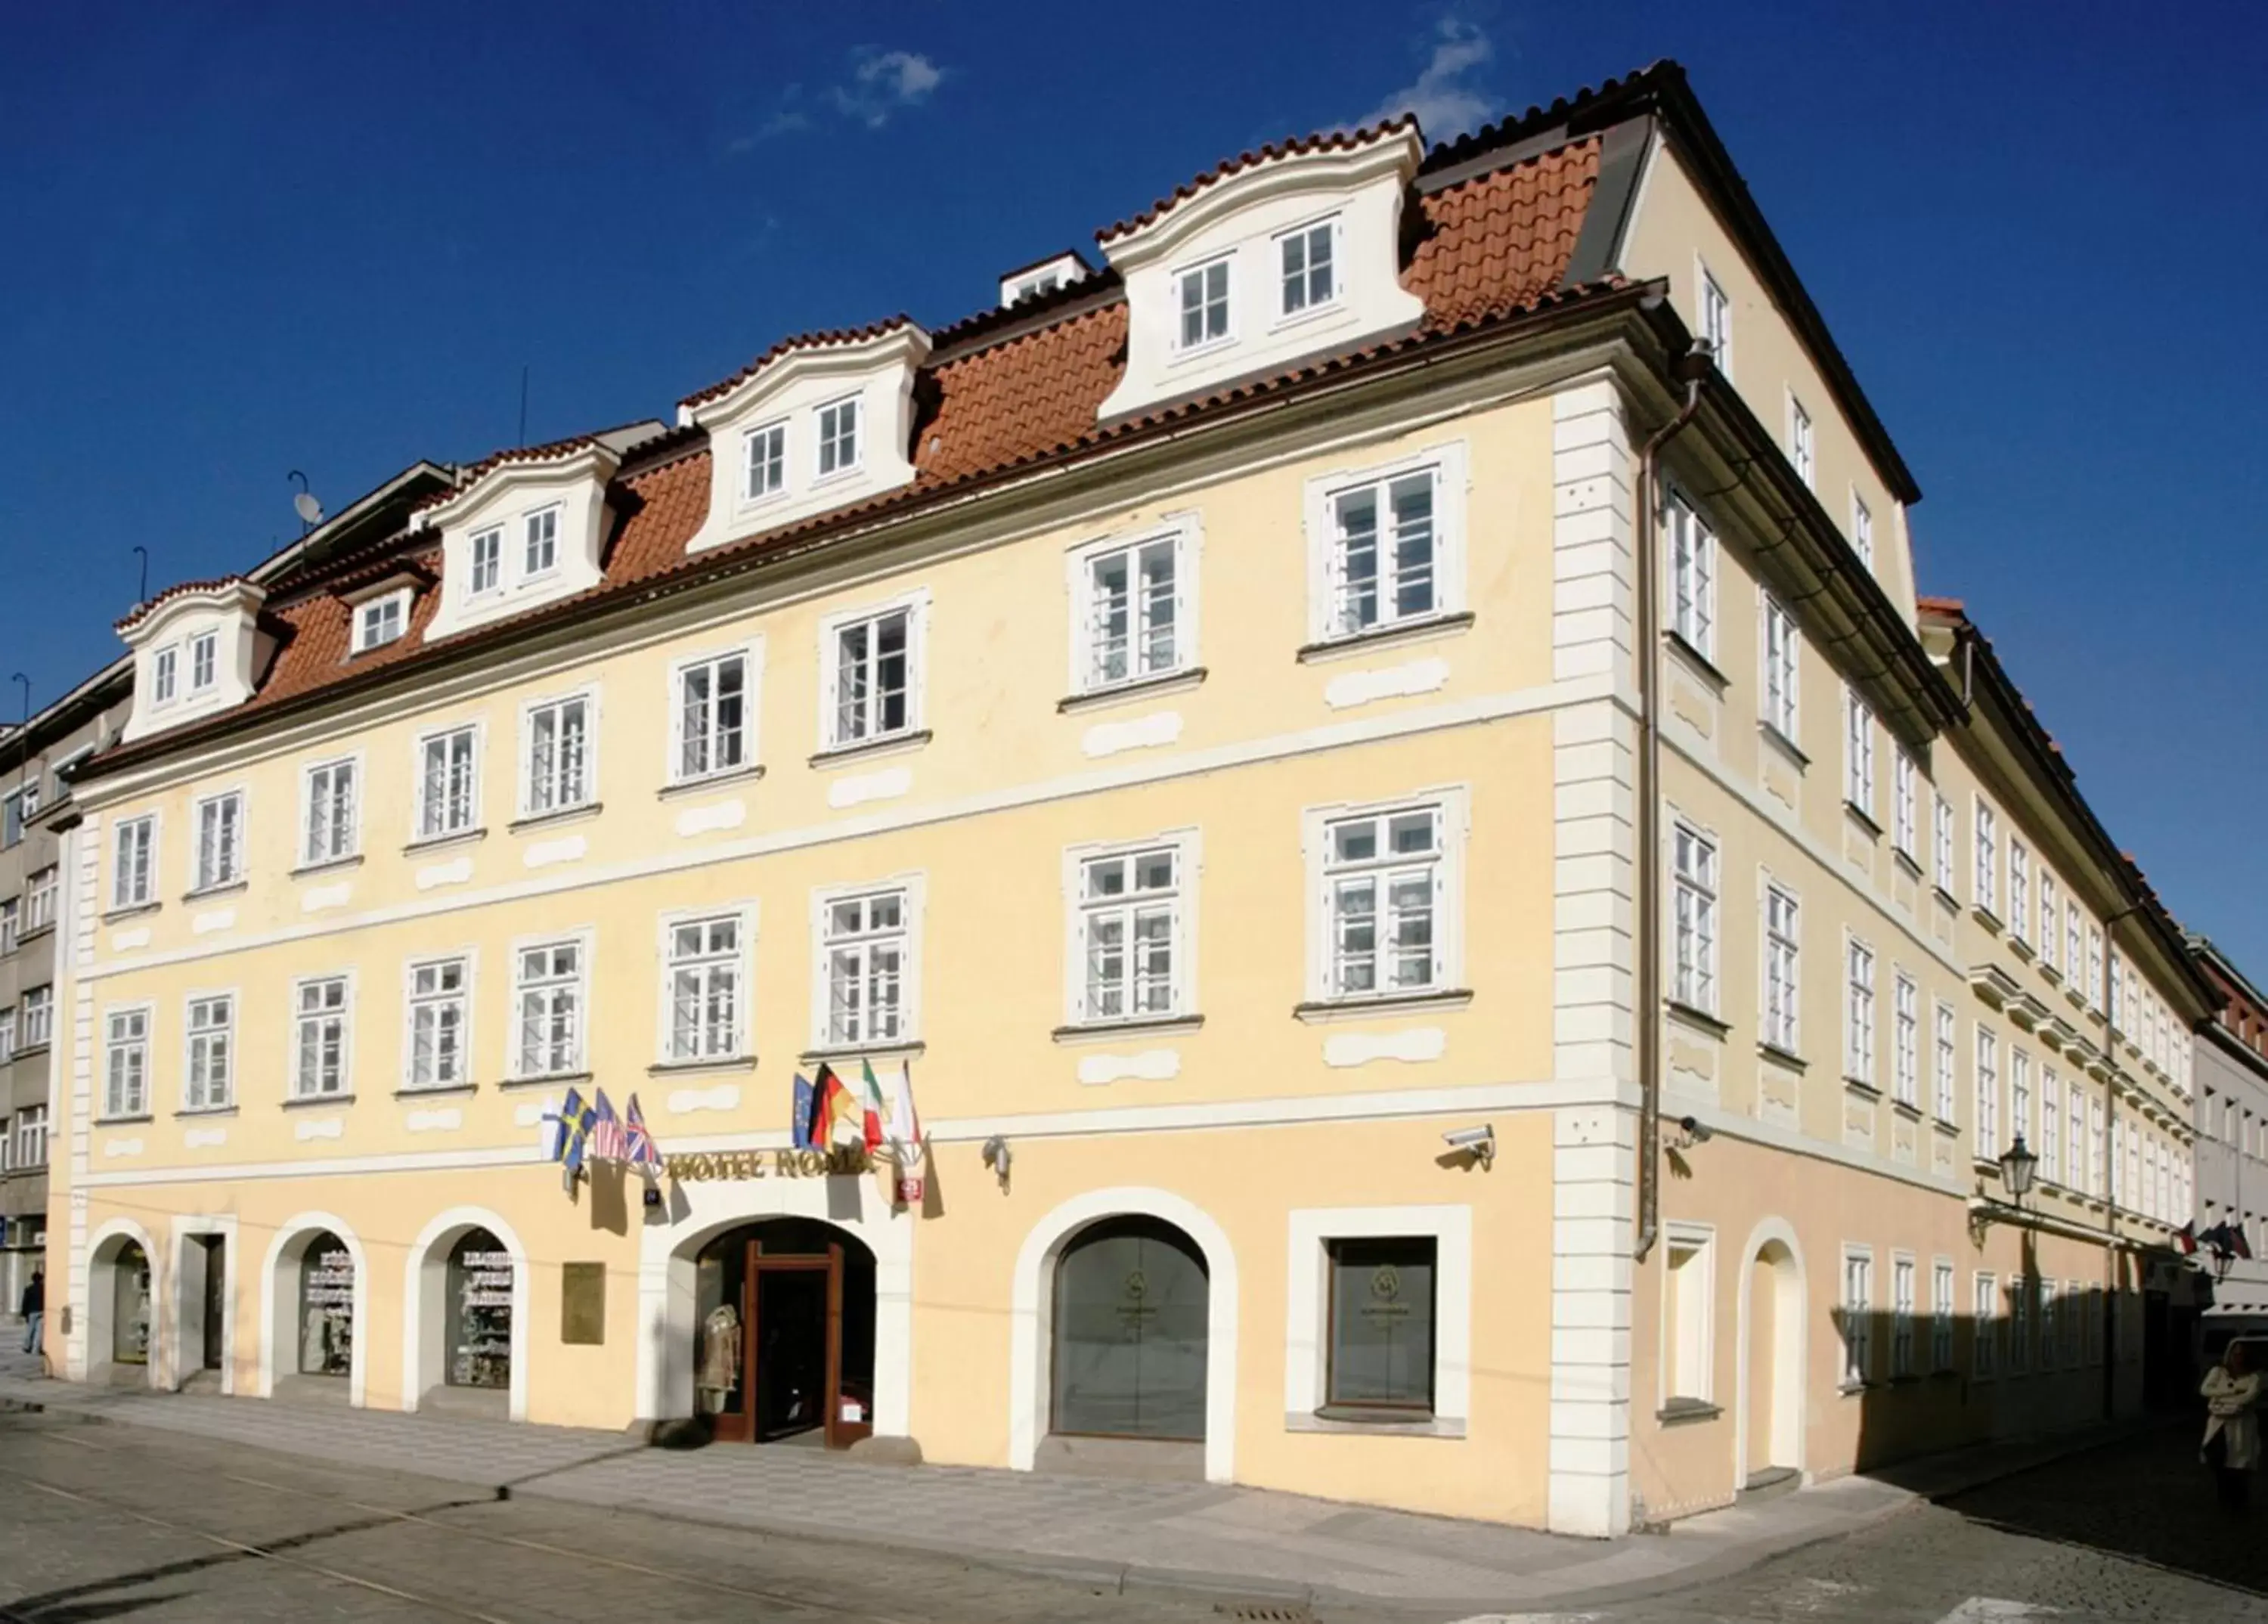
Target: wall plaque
{"points": [[583, 1304]]}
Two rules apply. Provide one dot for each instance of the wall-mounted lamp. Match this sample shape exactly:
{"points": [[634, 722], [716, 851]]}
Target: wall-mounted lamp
{"points": [[1478, 1143], [2017, 1166], [995, 1157]]}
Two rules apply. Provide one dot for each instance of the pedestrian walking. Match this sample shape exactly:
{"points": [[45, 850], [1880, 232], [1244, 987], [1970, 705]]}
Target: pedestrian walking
{"points": [[2232, 1429], [34, 1309]]}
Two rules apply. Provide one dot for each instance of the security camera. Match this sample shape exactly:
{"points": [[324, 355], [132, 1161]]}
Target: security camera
{"points": [[1479, 1143], [1696, 1130]]}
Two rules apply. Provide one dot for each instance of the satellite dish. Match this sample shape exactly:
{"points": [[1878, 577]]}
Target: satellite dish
{"points": [[310, 510]]}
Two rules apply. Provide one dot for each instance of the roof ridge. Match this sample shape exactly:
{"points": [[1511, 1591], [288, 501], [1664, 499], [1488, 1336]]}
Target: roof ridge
{"points": [[1513, 128], [818, 339], [142, 611], [1318, 140]]}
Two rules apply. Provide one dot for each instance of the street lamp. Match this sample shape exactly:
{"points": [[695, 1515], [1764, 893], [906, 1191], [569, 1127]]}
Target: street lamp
{"points": [[2017, 1167]]}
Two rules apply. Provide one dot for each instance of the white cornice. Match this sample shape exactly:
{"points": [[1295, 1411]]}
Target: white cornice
{"points": [[906, 344], [231, 597], [594, 460], [1395, 152]]}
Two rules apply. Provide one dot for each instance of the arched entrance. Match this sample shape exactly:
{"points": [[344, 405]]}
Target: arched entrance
{"points": [[1771, 1436], [119, 1331], [783, 1333], [1129, 1333], [313, 1293], [464, 1324]]}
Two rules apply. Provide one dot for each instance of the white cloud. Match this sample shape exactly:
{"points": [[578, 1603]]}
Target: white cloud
{"points": [[1443, 96], [882, 82]]}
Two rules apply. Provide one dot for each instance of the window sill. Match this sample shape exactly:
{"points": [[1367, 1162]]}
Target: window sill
{"points": [[1365, 1009], [1946, 899], [33, 934], [1909, 1112], [207, 1111], [902, 1048], [442, 843], [32, 1051], [124, 1121], [1989, 919], [1778, 1056], [1137, 688], [2020, 947], [1696, 661], [1681, 1412], [558, 815], [1944, 1126], [1785, 745], [722, 1065], [1154, 1026], [1384, 636], [139, 909], [1865, 818], [1853, 1390], [329, 865], [1687, 1015], [902, 743], [226, 887], [1907, 861], [545, 1080], [1860, 1086], [316, 1102], [1389, 1424], [435, 1090], [714, 780]]}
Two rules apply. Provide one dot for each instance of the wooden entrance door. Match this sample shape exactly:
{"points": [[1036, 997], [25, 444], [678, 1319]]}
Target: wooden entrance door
{"points": [[791, 1311]]}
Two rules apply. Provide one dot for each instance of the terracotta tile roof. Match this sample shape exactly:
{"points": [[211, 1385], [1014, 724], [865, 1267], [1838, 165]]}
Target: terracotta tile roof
{"points": [[801, 340], [140, 612], [1328, 141]]}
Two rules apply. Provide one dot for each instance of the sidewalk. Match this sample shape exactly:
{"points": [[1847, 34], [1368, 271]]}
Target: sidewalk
{"points": [[1251, 1544]]}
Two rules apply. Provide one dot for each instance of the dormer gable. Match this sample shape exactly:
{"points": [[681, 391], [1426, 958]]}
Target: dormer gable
{"points": [[1294, 253], [197, 649], [527, 528], [817, 423]]}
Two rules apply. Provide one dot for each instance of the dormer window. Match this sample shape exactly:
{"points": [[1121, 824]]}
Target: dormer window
{"points": [[380, 621], [542, 541], [838, 437], [196, 648], [1308, 257], [165, 675], [1205, 305], [204, 661], [767, 460], [487, 562]]}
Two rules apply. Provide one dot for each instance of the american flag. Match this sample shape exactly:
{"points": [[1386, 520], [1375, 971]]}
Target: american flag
{"points": [[642, 1150], [608, 1142]]}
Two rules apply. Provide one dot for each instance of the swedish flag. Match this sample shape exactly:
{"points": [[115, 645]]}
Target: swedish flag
{"points": [[576, 1117]]}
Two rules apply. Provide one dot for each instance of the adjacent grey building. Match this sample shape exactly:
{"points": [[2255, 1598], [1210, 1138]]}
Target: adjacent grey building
{"points": [[36, 761], [2232, 1129]]}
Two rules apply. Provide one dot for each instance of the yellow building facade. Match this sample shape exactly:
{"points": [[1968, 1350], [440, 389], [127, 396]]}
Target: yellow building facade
{"points": [[1373, 1032]]}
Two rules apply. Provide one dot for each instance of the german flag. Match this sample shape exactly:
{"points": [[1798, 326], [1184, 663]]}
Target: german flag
{"points": [[830, 1102]]}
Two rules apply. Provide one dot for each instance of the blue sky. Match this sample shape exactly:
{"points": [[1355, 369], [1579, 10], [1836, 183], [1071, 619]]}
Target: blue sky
{"points": [[329, 238]]}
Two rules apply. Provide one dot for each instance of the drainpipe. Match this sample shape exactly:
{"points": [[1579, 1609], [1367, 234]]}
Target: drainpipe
{"points": [[1694, 366]]}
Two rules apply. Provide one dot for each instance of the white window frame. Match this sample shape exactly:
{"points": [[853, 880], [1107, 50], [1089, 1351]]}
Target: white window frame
{"points": [[2051, 922], [1942, 1284], [525, 774], [1181, 904], [1691, 564], [1904, 803], [1307, 1339], [204, 662], [1944, 1061], [7, 1033], [1904, 1291], [371, 609], [11, 925], [29, 1148], [1857, 1300], [1205, 343], [134, 881], [1336, 225], [1802, 443], [1713, 312], [200, 1037], [2050, 1142], [915, 607], [1985, 1327], [547, 518], [42, 886], [1695, 901], [1781, 684], [484, 555], [1905, 1038], [1783, 969], [221, 876], [1986, 879], [165, 676], [1447, 464], [1986, 1138], [751, 656], [1692, 1313], [476, 734], [2020, 890], [822, 443], [413, 1002], [350, 846], [137, 1043], [1943, 839], [913, 890], [738, 962], [1858, 1011], [38, 1033], [2019, 1095], [1186, 535], [1453, 807], [1862, 530], [776, 467], [300, 1016], [585, 985], [1858, 753]]}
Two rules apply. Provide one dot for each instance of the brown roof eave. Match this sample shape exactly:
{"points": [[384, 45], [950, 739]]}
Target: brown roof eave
{"points": [[704, 568]]}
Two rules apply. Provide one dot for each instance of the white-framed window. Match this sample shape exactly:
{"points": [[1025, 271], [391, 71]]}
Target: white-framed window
{"points": [[438, 1011], [2094, 964], [1902, 1315], [1859, 1012], [1984, 1333], [1385, 544], [713, 715], [126, 1063], [40, 900], [1201, 294], [1858, 752], [329, 796], [1940, 1314], [11, 925], [549, 992], [2020, 1094], [209, 1082], [1350, 1353], [2051, 1337], [2094, 1147], [220, 840], [838, 436], [1904, 808], [39, 1007], [449, 782], [1386, 881], [558, 749], [488, 560], [380, 621], [322, 1050], [1801, 451], [1133, 610], [1716, 323], [1128, 942], [134, 862], [1693, 918], [165, 675], [873, 672], [2020, 891], [204, 660], [541, 533], [1858, 1315], [29, 1147], [2074, 1135], [1988, 1093], [1942, 844], [1944, 1060], [2021, 1289], [1692, 576], [765, 462], [1862, 530], [2051, 921], [705, 979], [7, 1034], [1783, 969], [1905, 1040], [1306, 260], [866, 961], [2050, 1126], [1988, 860], [13, 816], [1689, 1293], [1783, 672]]}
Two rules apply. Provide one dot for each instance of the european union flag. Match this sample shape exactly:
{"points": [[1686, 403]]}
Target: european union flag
{"points": [[799, 1123]]}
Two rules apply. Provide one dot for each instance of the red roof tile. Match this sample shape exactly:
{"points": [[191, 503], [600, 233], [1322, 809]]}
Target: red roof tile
{"points": [[801, 340], [1328, 141], [179, 589]]}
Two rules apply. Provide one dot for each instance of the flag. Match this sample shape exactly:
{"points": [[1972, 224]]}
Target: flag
{"points": [[830, 1105], [643, 1151], [905, 1135], [799, 1113], [871, 1107], [2185, 1237], [607, 1141], [2237, 1243], [575, 1121], [555, 1119]]}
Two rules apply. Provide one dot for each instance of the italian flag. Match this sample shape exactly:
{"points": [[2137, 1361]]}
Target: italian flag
{"points": [[871, 1104]]}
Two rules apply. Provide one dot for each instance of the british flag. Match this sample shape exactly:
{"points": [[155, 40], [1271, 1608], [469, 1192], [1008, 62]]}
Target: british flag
{"points": [[641, 1149]]}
